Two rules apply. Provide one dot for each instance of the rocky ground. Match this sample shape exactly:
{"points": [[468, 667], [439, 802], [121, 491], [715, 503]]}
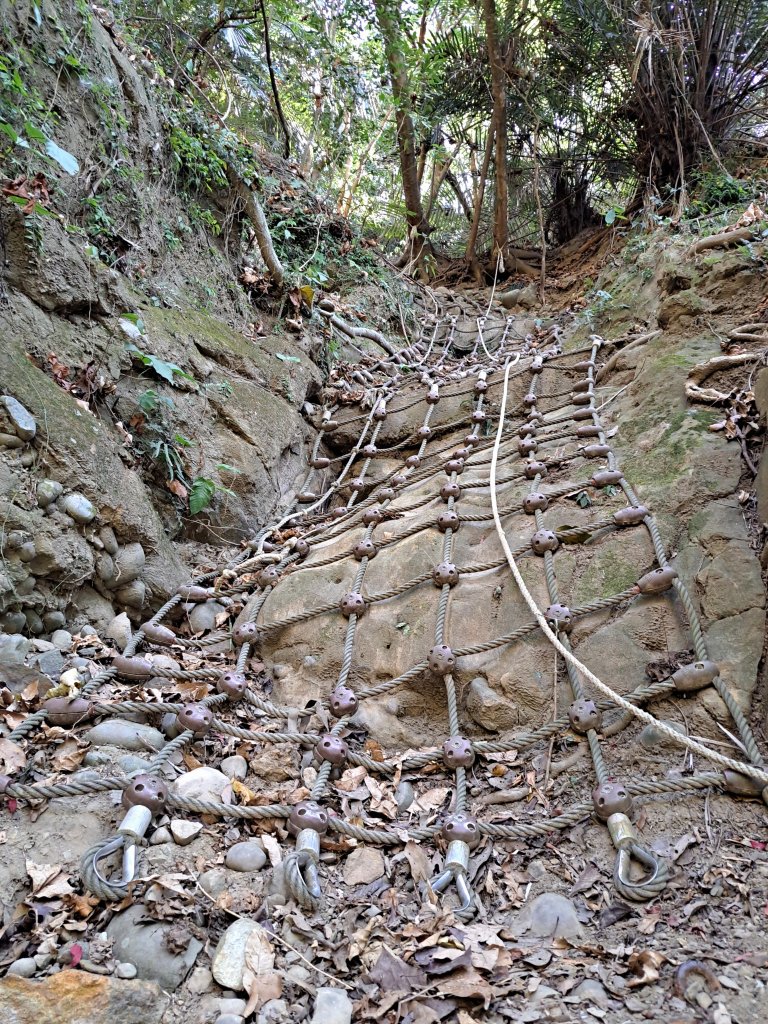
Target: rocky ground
{"points": [[211, 933]]}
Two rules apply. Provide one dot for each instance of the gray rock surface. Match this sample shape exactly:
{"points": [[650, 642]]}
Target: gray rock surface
{"points": [[22, 420], [549, 915], [332, 1006], [78, 507], [117, 732], [201, 784], [145, 945], [229, 959], [248, 856]]}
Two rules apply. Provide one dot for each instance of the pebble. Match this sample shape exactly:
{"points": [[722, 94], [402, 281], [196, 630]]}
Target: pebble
{"points": [[184, 832], [161, 835], [247, 856], [200, 980], [148, 944], [274, 1011], [404, 796], [229, 959], [51, 662], [34, 622], [127, 971], [23, 968], [590, 991], [54, 620], [22, 419], [550, 915], [235, 767], [129, 563], [13, 623], [203, 616], [130, 764], [232, 1006], [10, 441], [201, 783], [116, 732], [78, 507], [214, 882], [333, 1006], [27, 460], [363, 865], [119, 630], [93, 758], [94, 968], [62, 639], [134, 595], [108, 539], [651, 737], [229, 1018], [13, 648], [47, 492], [27, 551]]}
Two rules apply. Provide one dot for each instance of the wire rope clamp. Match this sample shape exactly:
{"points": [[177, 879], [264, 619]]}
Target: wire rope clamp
{"points": [[342, 702], [245, 633], [535, 502], [66, 712], [695, 677], [527, 430], [433, 395], [530, 398], [453, 466], [462, 833], [582, 385], [268, 577], [132, 667], [320, 462], [450, 490], [526, 445], [194, 594], [332, 748], [232, 685], [630, 516], [588, 430], [657, 581], [197, 718], [579, 398], [595, 451], [445, 574], [606, 478], [448, 520], [471, 440], [584, 715], [380, 410], [413, 461], [458, 752], [535, 468], [162, 636], [628, 848], [543, 541], [352, 604], [364, 549], [370, 450], [559, 618]]}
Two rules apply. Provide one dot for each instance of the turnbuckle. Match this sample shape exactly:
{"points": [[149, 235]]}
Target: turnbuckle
{"points": [[455, 870], [132, 827], [628, 848], [307, 857]]}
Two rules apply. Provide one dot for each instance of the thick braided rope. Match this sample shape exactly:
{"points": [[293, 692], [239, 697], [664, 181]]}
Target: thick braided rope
{"points": [[677, 738]]}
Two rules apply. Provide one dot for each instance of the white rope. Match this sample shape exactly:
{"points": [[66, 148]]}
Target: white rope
{"points": [[682, 741]]}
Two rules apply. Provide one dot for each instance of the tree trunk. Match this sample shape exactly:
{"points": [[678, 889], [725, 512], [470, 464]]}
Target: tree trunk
{"points": [[255, 215], [388, 16], [499, 123], [470, 256]]}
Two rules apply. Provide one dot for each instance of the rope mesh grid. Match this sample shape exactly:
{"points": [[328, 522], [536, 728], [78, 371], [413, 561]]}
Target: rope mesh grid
{"points": [[261, 721]]}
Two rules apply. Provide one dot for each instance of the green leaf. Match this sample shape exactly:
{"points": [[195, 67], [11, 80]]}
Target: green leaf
{"points": [[33, 132], [64, 159], [201, 494], [227, 468], [610, 217], [287, 359], [168, 371]]}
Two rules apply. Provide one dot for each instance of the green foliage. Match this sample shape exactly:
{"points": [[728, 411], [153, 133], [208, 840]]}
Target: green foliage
{"points": [[168, 371], [715, 190], [203, 491]]}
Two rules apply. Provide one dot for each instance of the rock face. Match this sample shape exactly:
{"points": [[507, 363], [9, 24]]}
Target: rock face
{"points": [[145, 944], [229, 958], [74, 997]]}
